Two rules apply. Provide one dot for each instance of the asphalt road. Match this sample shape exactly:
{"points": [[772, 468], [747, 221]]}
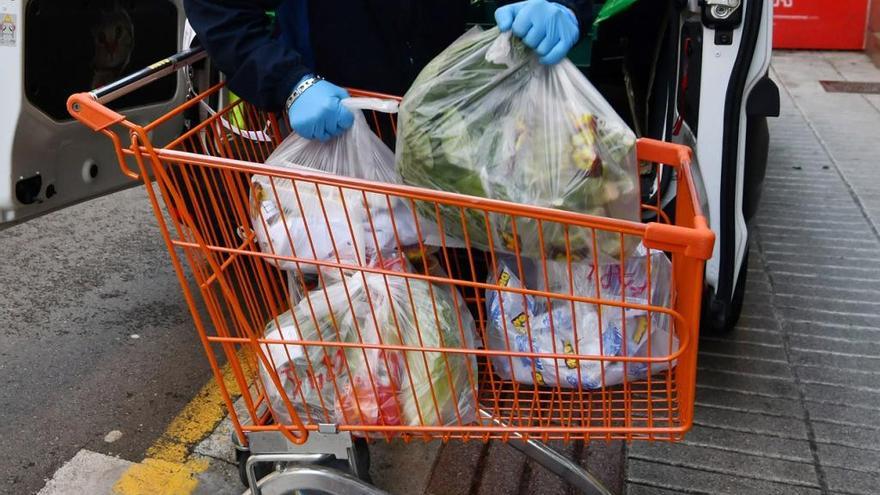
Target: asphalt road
{"points": [[94, 337]]}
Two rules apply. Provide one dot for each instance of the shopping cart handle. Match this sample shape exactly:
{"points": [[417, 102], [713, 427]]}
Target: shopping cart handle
{"points": [[90, 108], [141, 78]]}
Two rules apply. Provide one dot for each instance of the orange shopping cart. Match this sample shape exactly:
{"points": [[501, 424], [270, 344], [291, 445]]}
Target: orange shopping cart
{"points": [[330, 355]]}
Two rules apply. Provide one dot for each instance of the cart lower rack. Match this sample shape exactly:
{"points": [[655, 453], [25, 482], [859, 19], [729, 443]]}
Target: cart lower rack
{"points": [[415, 360]]}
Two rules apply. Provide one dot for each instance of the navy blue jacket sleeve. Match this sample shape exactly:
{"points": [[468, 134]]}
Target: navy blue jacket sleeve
{"points": [[260, 67], [583, 9]]}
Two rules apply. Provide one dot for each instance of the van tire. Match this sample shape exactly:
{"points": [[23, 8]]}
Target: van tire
{"points": [[721, 317]]}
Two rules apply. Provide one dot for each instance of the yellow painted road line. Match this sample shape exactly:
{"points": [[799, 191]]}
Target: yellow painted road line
{"points": [[157, 477], [168, 468]]}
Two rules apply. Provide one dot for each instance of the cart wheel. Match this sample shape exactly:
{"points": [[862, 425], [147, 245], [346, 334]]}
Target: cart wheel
{"points": [[313, 479], [261, 470], [359, 463], [721, 317], [358, 466]]}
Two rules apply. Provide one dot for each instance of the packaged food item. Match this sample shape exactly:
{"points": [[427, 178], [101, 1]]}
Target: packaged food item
{"points": [[486, 119], [525, 323], [309, 376]]}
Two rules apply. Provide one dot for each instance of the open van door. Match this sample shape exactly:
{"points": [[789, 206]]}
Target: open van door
{"points": [[57, 48], [735, 97], [695, 72]]}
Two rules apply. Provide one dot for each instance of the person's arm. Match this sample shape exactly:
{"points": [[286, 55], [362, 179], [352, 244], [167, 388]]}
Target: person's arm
{"points": [[260, 67], [263, 69]]}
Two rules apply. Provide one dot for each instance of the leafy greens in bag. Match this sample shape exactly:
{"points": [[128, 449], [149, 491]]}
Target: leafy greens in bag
{"points": [[486, 119]]}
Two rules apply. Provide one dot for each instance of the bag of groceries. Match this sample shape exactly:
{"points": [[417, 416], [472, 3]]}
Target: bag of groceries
{"points": [[562, 327], [299, 218], [362, 386], [486, 118]]}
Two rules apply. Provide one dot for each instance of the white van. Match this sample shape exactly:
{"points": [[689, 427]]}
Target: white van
{"points": [[689, 71]]}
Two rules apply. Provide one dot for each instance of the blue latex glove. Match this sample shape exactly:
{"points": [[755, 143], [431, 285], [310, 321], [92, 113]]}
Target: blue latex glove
{"points": [[319, 113], [549, 28]]}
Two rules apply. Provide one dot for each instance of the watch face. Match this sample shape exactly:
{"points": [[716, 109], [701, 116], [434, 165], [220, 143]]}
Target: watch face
{"points": [[308, 83]]}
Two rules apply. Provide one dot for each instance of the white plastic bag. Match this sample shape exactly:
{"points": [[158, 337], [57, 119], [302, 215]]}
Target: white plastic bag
{"points": [[486, 119], [307, 375], [560, 327], [371, 386], [302, 219]]}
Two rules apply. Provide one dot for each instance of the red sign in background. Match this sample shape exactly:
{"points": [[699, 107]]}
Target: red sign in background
{"points": [[820, 24]]}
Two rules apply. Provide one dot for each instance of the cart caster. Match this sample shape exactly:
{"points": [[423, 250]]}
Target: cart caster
{"points": [[261, 470], [358, 463], [312, 479]]}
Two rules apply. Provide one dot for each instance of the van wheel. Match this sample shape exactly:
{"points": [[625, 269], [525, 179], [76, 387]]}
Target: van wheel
{"points": [[719, 316]]}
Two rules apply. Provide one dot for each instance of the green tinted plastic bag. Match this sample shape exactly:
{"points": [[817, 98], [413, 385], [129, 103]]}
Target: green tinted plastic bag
{"points": [[486, 119], [612, 8]]}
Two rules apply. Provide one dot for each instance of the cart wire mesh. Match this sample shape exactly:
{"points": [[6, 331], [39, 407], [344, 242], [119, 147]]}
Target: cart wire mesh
{"points": [[201, 187]]}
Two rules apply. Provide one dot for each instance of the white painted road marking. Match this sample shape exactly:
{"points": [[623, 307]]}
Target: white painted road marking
{"points": [[88, 472]]}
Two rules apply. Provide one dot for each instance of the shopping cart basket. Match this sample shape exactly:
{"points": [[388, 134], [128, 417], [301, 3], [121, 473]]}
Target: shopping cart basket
{"points": [[200, 186]]}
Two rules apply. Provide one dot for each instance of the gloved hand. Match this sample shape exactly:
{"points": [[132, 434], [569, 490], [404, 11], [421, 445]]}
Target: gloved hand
{"points": [[319, 113], [549, 28]]}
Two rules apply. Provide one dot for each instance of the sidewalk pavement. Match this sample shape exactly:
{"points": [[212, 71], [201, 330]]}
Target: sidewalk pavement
{"points": [[787, 403]]}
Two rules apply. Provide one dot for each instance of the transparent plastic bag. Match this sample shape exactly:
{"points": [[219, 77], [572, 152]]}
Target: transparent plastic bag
{"points": [[486, 119], [561, 327], [320, 222], [307, 374], [372, 386]]}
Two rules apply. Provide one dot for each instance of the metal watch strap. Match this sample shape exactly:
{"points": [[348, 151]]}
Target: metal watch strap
{"points": [[300, 89]]}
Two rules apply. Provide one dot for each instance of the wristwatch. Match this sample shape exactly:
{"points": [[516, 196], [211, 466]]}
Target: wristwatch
{"points": [[300, 89]]}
